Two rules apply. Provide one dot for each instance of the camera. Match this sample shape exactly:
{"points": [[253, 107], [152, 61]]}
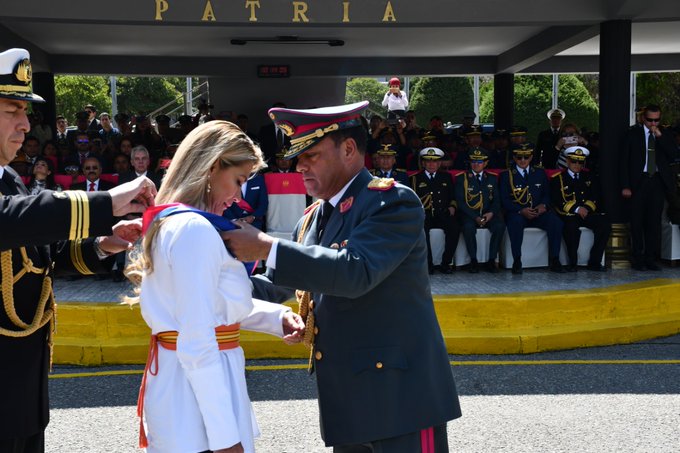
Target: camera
{"points": [[570, 140]]}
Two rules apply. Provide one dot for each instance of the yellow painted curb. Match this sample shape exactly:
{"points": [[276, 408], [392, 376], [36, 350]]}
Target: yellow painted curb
{"points": [[518, 323]]}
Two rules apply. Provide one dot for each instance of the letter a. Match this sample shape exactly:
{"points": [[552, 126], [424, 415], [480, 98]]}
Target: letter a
{"points": [[389, 13], [208, 13]]}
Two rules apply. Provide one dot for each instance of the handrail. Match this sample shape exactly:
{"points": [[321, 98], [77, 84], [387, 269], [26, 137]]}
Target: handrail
{"points": [[174, 101]]}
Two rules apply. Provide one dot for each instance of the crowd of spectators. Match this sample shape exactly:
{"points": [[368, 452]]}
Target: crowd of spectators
{"points": [[100, 151]]}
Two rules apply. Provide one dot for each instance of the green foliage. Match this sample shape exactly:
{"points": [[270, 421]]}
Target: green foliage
{"points": [[366, 89], [662, 89], [74, 92], [447, 97], [135, 94], [141, 95], [533, 98]]}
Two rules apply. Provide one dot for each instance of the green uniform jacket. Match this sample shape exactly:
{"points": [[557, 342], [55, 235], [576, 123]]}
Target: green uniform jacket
{"points": [[383, 369]]}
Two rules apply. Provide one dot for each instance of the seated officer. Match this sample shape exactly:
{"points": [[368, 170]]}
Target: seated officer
{"points": [[575, 197], [525, 196], [435, 189], [386, 157], [480, 207]]}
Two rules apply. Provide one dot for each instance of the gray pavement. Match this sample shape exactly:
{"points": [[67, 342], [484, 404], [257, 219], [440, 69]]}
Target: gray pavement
{"points": [[460, 282], [530, 403]]}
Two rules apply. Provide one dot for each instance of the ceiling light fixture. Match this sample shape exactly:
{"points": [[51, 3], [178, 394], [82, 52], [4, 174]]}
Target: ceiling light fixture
{"points": [[288, 40]]}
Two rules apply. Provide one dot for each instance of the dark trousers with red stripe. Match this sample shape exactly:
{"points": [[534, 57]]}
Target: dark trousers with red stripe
{"points": [[431, 440]]}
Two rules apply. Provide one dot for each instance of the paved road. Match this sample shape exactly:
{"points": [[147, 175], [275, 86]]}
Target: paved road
{"points": [[609, 399]]}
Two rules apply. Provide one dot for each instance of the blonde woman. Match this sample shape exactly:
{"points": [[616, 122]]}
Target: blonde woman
{"points": [[195, 296]]}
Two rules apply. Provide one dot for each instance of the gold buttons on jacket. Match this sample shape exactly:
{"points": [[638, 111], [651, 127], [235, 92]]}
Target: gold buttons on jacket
{"points": [[316, 330], [311, 305], [379, 365], [318, 355]]}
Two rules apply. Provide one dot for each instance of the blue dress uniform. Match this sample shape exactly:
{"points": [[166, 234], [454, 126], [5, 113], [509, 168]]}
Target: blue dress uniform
{"points": [[257, 203], [30, 226], [571, 191], [477, 194], [400, 176], [529, 191], [381, 365], [437, 195]]}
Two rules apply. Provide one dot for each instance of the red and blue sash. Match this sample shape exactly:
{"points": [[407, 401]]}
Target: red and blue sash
{"points": [[220, 223]]}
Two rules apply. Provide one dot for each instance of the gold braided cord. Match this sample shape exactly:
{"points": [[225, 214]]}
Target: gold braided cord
{"points": [[304, 298], [27, 266], [521, 196], [479, 204], [45, 311], [569, 200]]}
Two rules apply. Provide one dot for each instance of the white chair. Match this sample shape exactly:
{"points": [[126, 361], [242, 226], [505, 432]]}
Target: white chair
{"points": [[534, 249], [287, 203], [583, 252], [670, 238], [483, 237]]}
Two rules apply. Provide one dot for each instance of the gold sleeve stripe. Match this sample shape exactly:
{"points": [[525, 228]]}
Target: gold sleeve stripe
{"points": [[568, 205], [74, 214], [591, 205], [85, 220], [77, 257]]}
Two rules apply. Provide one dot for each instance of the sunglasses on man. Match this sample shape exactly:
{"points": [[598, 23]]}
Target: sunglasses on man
{"points": [[522, 157], [652, 120]]}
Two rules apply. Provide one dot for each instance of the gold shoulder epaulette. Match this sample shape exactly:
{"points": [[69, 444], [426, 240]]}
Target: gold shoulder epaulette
{"points": [[312, 206], [381, 184], [556, 174]]}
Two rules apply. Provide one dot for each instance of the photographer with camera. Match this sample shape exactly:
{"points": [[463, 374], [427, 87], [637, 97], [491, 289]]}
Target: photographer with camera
{"points": [[396, 102], [570, 135]]}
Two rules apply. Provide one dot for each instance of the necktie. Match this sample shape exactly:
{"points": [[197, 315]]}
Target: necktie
{"points": [[651, 154], [524, 174], [91, 189], [576, 176], [326, 211], [479, 178], [7, 184]]}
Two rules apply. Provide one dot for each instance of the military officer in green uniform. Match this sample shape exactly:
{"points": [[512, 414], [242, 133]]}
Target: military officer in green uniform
{"points": [[386, 158], [480, 207], [436, 191], [576, 198], [30, 227], [359, 260]]}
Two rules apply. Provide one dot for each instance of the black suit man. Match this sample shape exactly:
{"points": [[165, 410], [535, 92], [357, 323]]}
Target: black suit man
{"points": [[645, 176], [575, 196], [436, 191], [480, 207], [361, 260]]}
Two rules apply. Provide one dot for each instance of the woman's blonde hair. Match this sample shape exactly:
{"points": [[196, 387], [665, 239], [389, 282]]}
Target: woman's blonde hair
{"points": [[215, 143]]}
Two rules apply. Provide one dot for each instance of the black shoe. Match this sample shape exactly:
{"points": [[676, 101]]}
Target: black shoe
{"points": [[118, 276], [556, 266], [490, 266], [653, 267], [597, 267], [445, 269], [639, 267], [474, 267], [517, 267], [571, 268], [430, 269]]}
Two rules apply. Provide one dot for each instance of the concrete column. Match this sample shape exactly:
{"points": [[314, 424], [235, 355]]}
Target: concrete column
{"points": [[43, 85], [504, 100], [614, 109]]}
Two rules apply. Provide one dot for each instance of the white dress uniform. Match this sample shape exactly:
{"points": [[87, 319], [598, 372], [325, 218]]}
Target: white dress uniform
{"points": [[198, 399]]}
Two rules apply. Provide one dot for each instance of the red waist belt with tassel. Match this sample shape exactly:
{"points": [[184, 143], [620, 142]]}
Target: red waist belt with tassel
{"points": [[227, 338]]}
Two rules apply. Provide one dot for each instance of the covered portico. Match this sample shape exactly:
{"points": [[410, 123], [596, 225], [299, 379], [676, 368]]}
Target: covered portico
{"points": [[320, 43]]}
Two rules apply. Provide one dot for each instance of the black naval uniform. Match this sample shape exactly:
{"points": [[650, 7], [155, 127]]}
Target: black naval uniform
{"points": [[476, 198], [437, 195], [569, 192], [545, 153], [30, 227]]}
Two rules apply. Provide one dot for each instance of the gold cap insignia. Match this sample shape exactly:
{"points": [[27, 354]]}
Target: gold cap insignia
{"points": [[23, 71], [287, 128]]}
